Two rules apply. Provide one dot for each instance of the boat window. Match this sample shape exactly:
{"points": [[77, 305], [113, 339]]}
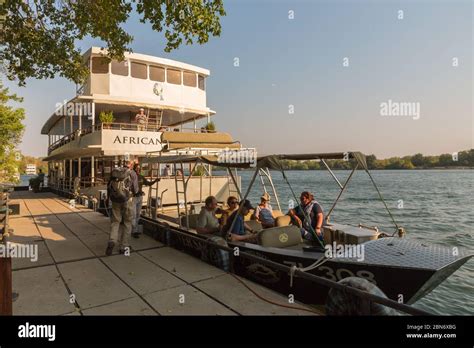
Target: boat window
{"points": [[120, 68], [139, 70], [189, 78], [100, 65], [157, 73], [173, 76], [201, 83]]}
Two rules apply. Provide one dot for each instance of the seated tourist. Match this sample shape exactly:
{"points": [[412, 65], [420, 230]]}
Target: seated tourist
{"points": [[233, 205], [237, 229], [264, 212], [207, 222], [310, 207]]}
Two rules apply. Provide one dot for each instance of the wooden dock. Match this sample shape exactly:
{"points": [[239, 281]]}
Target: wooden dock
{"points": [[72, 275]]}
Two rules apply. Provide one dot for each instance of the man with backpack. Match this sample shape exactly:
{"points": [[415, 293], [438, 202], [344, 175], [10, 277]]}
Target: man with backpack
{"points": [[121, 188]]}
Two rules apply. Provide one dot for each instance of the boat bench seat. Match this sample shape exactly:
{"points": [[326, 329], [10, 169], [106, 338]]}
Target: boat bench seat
{"points": [[280, 220], [283, 220], [193, 218], [270, 236], [280, 237], [276, 213], [254, 225]]}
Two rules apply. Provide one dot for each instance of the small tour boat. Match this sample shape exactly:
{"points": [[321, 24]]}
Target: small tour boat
{"points": [[405, 270]]}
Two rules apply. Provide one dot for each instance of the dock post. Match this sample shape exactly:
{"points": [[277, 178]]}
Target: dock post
{"points": [[6, 286]]}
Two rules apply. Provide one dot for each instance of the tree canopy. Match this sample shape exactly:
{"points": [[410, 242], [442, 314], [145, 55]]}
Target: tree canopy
{"points": [[38, 37], [11, 131]]}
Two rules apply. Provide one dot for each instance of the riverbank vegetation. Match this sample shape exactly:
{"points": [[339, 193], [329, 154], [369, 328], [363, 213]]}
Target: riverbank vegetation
{"points": [[461, 159]]}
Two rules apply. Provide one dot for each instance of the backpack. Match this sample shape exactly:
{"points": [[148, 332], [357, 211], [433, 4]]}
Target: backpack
{"points": [[119, 185]]}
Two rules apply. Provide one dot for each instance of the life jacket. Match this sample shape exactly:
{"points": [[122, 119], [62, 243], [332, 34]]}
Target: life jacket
{"points": [[309, 212]]}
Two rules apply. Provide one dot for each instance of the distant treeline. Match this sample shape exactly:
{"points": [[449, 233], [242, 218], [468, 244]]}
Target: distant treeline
{"points": [[418, 161], [38, 161]]}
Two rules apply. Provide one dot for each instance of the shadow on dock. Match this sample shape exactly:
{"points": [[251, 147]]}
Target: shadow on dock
{"points": [[72, 275]]}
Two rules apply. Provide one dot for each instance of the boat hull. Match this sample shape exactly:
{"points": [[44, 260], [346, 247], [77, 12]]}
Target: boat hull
{"points": [[402, 284]]}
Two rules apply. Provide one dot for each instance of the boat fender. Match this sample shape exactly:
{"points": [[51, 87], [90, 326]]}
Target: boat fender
{"points": [[401, 232], [339, 302]]}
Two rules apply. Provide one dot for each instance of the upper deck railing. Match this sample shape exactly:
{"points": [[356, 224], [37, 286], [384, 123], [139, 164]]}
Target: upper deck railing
{"points": [[149, 127]]}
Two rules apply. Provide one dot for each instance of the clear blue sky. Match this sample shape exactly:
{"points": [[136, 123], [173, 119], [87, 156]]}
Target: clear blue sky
{"points": [[299, 62]]}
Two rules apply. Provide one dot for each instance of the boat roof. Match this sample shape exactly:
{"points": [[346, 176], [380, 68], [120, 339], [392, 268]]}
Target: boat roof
{"points": [[275, 162], [145, 58]]}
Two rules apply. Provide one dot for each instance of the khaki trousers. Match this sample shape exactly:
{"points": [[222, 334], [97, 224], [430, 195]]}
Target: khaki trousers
{"points": [[121, 223]]}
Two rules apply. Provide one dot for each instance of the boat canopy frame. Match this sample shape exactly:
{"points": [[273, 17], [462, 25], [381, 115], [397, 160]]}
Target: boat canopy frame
{"points": [[275, 162]]}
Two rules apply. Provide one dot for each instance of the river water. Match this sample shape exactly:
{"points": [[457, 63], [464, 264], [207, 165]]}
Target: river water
{"points": [[434, 206]]}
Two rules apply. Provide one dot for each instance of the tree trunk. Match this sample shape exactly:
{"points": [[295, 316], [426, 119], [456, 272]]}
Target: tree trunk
{"points": [[6, 286]]}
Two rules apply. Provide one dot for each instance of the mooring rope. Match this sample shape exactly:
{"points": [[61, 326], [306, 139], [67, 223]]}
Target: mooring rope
{"points": [[314, 265], [274, 302]]}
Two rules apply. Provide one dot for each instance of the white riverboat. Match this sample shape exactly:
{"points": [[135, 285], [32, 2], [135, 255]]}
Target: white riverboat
{"points": [[84, 147]]}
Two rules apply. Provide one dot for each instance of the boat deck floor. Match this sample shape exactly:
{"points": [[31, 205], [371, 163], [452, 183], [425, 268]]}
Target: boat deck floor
{"points": [[72, 275]]}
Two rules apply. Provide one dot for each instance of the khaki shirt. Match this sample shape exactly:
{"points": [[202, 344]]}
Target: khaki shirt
{"points": [[207, 219]]}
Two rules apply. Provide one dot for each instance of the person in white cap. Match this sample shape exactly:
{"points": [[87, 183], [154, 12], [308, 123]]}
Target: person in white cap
{"points": [[141, 120], [264, 212]]}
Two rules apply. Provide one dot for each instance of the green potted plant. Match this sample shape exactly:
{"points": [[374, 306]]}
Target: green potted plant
{"points": [[199, 170], [211, 127], [106, 117], [35, 183]]}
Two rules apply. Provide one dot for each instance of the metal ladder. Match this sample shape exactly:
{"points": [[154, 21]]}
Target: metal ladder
{"points": [[152, 192], [156, 117], [153, 188], [265, 173], [234, 190], [161, 118], [181, 198]]}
